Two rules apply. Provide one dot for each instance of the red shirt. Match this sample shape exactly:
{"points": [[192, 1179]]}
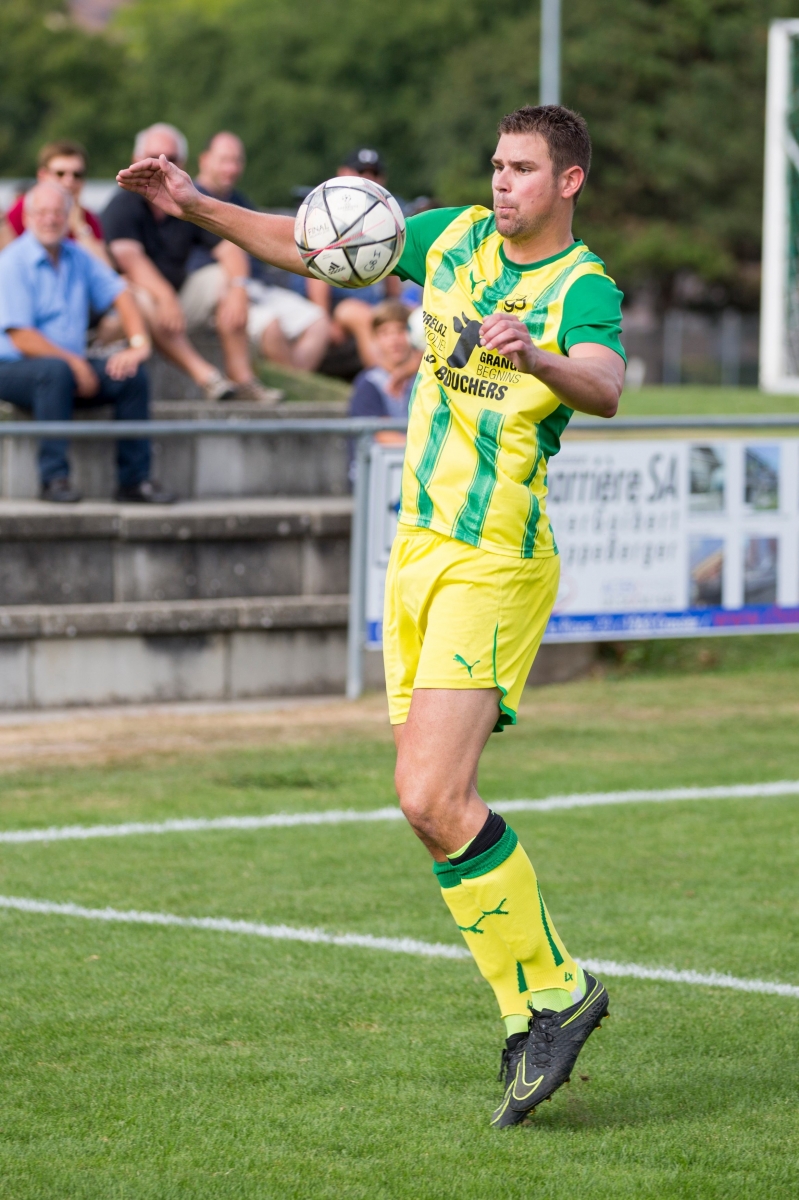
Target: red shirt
{"points": [[14, 216]]}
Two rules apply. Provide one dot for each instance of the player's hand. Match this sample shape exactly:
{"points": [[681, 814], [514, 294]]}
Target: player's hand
{"points": [[510, 337], [163, 184]]}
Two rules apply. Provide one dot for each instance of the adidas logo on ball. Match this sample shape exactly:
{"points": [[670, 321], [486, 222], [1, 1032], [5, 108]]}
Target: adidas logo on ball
{"points": [[350, 231]]}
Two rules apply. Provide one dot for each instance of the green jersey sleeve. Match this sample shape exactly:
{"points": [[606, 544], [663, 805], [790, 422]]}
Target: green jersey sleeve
{"points": [[422, 231], [592, 313]]}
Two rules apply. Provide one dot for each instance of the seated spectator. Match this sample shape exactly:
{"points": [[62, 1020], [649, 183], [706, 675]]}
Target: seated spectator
{"points": [[48, 285], [65, 163], [385, 389], [283, 326], [352, 317], [152, 250]]}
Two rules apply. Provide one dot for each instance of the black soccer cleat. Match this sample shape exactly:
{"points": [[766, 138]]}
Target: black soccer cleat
{"points": [[512, 1055], [552, 1046]]}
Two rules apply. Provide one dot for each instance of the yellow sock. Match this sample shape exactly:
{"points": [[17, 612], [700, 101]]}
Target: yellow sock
{"points": [[503, 886], [494, 961]]}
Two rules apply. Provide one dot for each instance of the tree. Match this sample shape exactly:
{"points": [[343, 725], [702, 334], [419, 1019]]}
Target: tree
{"points": [[673, 91], [55, 81]]}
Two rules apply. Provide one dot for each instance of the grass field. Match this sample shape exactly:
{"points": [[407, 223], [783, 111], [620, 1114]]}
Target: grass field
{"points": [[688, 400], [168, 1062], [685, 400], [653, 401]]}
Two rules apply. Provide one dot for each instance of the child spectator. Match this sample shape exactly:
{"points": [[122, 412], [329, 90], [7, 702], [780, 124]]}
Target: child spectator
{"points": [[385, 389], [63, 162]]}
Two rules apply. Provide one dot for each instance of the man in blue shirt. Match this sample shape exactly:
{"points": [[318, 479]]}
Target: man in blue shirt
{"points": [[48, 288]]}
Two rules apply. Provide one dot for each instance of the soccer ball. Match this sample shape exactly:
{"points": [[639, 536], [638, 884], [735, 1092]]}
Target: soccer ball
{"points": [[350, 232]]}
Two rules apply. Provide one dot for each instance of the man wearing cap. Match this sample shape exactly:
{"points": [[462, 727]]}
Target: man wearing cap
{"points": [[351, 317], [366, 163]]}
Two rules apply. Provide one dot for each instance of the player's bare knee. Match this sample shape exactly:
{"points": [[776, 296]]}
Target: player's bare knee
{"points": [[416, 799], [425, 799]]}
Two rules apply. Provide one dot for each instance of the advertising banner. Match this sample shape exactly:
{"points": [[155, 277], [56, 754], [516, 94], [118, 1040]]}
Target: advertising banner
{"points": [[657, 538], [385, 479]]}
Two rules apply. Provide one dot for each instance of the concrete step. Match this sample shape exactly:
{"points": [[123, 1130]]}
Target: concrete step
{"points": [[103, 553], [198, 467], [151, 618], [62, 655]]}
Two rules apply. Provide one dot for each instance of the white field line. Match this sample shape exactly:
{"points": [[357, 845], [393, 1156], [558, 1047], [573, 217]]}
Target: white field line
{"points": [[57, 833], [365, 941]]}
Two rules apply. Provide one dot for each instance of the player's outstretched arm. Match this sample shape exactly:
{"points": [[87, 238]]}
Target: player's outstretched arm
{"points": [[266, 235], [590, 379]]}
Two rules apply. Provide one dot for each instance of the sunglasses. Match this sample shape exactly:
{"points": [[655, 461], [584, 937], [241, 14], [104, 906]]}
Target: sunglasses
{"points": [[79, 174]]}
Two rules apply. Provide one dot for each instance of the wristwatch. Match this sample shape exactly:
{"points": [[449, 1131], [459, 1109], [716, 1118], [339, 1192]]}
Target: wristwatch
{"points": [[139, 341]]}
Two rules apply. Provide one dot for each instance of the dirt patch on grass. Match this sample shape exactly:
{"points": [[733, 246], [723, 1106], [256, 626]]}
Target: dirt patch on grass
{"points": [[139, 733]]}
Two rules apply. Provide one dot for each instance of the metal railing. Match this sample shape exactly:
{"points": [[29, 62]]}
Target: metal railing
{"points": [[363, 430], [354, 426]]}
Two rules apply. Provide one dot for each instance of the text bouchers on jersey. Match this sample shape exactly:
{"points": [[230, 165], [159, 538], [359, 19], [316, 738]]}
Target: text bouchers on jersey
{"points": [[480, 431]]}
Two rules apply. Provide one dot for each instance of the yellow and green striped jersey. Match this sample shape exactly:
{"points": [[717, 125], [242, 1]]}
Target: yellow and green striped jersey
{"points": [[480, 432]]}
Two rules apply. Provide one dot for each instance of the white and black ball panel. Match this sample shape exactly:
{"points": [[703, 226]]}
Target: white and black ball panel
{"points": [[333, 266], [319, 230], [348, 205], [350, 232], [371, 261]]}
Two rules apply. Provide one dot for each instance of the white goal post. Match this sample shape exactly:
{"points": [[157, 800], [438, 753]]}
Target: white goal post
{"points": [[779, 304]]}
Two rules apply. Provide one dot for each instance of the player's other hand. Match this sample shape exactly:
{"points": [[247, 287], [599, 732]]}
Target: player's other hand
{"points": [[510, 337], [163, 184]]}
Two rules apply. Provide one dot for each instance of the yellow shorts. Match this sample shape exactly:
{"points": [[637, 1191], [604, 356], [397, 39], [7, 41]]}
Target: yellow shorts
{"points": [[460, 617]]}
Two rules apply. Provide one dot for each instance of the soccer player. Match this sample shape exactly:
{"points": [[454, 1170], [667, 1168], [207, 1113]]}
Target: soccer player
{"points": [[523, 327]]}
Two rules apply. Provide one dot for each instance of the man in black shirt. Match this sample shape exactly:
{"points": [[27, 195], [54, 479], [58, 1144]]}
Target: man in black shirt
{"points": [[153, 251], [282, 324]]}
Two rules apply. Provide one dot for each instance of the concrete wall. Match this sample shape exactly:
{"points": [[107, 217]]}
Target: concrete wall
{"points": [[196, 468], [96, 553], [57, 672]]}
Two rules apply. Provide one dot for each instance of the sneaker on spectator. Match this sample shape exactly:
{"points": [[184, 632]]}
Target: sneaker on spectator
{"points": [[218, 387], [254, 391], [60, 491], [146, 492]]}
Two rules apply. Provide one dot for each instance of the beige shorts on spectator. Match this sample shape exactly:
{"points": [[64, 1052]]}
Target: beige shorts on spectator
{"points": [[203, 290]]}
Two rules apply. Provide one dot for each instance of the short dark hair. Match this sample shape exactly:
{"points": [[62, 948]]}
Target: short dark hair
{"points": [[389, 310], [63, 148], [565, 133]]}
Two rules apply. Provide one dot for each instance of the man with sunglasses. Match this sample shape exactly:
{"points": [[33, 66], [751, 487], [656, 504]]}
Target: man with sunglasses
{"points": [[63, 162]]}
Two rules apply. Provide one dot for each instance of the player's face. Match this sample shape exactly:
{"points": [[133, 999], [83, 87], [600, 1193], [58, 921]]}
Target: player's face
{"points": [[527, 193]]}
